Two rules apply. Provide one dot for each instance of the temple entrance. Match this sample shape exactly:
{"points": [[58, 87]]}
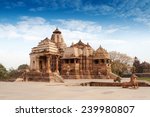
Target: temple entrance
{"points": [[42, 63], [53, 63], [49, 63]]}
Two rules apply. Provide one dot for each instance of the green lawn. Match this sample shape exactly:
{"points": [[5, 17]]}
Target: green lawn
{"points": [[144, 78]]}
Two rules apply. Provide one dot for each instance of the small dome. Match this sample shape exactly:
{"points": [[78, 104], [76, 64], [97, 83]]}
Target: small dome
{"points": [[101, 53]]}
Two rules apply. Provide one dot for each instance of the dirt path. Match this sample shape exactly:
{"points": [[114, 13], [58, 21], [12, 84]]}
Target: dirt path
{"points": [[68, 90]]}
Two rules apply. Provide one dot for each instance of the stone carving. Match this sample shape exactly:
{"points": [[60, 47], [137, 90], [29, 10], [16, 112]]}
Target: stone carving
{"points": [[56, 78], [132, 83], [19, 80]]}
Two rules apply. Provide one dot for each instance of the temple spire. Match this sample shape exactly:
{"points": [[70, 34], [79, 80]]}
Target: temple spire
{"points": [[57, 31], [100, 46]]}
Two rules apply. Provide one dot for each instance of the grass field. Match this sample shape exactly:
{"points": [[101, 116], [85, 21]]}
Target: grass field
{"points": [[144, 78]]}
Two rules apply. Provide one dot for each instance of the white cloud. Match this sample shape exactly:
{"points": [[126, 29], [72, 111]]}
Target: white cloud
{"points": [[79, 25], [114, 42], [37, 28], [27, 28], [75, 36], [144, 20], [135, 10], [32, 20], [112, 30]]}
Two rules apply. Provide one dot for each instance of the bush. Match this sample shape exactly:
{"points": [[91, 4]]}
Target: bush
{"points": [[13, 73], [142, 74], [3, 72], [126, 75]]}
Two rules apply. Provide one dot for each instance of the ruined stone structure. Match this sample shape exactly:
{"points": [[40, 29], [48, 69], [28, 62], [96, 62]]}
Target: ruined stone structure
{"points": [[77, 61]]}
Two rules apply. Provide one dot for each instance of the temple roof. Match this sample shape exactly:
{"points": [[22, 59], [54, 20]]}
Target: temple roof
{"points": [[101, 50], [57, 31], [57, 38], [101, 53], [78, 49], [46, 45], [71, 52], [44, 41], [81, 45]]}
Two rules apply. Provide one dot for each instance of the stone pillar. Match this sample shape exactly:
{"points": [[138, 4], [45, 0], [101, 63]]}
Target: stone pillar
{"points": [[81, 67], [87, 64], [57, 66], [48, 70], [87, 68], [37, 64], [43, 66]]}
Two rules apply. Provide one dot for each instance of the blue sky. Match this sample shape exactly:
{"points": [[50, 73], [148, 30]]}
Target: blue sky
{"points": [[117, 25]]}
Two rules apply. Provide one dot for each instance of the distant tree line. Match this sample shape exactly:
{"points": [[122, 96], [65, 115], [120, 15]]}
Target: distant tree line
{"points": [[123, 64], [12, 74], [141, 67]]}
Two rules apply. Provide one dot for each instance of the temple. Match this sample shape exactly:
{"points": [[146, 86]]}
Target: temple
{"points": [[78, 61]]}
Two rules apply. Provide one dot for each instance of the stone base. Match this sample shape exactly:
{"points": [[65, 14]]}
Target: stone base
{"points": [[47, 77], [39, 77], [141, 84], [84, 77], [44, 77]]}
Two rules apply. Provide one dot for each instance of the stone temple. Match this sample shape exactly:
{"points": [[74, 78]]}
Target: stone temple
{"points": [[78, 61]]}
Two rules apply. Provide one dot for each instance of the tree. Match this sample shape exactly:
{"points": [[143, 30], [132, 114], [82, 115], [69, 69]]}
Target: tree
{"points": [[3, 72], [120, 62], [141, 67], [118, 67], [13, 73], [137, 66], [144, 67], [23, 67], [122, 58]]}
